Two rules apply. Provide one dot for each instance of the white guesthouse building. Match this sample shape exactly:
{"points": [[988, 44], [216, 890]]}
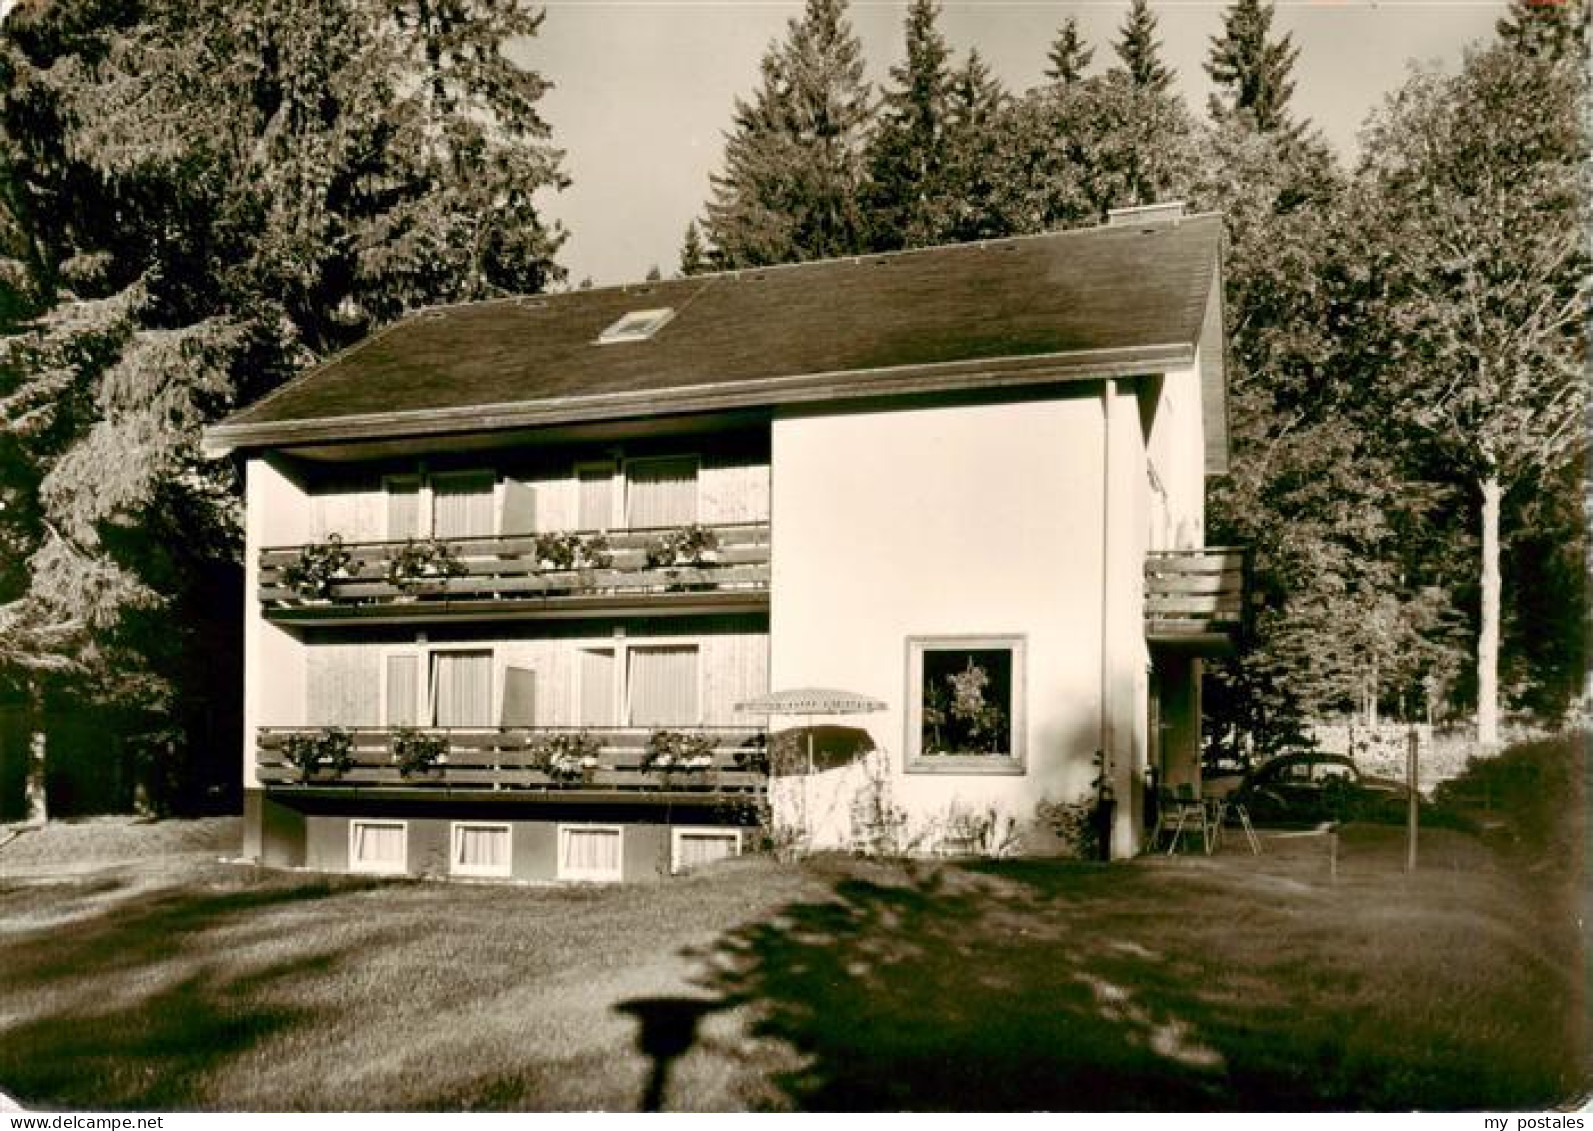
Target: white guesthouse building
{"points": [[568, 534]]}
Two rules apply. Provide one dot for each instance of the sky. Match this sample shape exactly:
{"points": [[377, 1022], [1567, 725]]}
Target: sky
{"points": [[644, 89]]}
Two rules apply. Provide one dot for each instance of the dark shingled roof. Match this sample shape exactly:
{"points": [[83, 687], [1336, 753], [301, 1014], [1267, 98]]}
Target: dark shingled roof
{"points": [[1122, 299]]}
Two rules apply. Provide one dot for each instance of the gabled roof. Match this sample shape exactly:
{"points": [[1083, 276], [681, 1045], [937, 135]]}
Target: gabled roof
{"points": [[1117, 300]]}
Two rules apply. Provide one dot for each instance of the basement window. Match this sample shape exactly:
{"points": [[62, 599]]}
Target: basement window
{"points": [[637, 326], [378, 846]]}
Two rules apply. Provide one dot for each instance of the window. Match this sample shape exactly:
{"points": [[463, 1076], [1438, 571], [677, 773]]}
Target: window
{"points": [[462, 504], [661, 686], [377, 846], [696, 847], [637, 326], [591, 852], [965, 698], [661, 492], [480, 850], [461, 689]]}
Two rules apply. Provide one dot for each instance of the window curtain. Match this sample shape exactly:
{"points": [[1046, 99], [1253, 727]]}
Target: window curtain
{"points": [[697, 849], [591, 851], [461, 506], [663, 686], [461, 689], [482, 847], [378, 844], [661, 492]]}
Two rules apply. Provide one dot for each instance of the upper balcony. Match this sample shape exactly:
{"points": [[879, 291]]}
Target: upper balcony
{"points": [[1195, 599], [644, 572]]}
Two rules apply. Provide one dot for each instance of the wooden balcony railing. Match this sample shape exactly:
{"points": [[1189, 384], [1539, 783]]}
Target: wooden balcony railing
{"points": [[509, 574], [1196, 598], [498, 761]]}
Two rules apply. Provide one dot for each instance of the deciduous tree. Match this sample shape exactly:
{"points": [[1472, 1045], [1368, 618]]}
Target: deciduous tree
{"points": [[1474, 214]]}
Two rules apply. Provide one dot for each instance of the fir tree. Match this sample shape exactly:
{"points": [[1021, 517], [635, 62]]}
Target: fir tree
{"points": [[1068, 56], [976, 111], [693, 256], [233, 191], [794, 159], [908, 150], [1140, 51], [1250, 68]]}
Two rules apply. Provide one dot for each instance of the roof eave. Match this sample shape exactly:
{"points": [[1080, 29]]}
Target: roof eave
{"points": [[845, 385]]}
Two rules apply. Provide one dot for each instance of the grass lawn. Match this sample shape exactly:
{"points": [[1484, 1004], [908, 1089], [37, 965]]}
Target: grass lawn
{"points": [[1224, 983]]}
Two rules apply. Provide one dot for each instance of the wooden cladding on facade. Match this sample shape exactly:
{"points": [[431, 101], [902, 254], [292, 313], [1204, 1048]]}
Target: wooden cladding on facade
{"points": [[577, 493], [540, 674], [1195, 598]]}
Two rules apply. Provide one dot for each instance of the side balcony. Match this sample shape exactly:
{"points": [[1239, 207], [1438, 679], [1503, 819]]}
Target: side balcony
{"points": [[699, 568], [1195, 600], [567, 765]]}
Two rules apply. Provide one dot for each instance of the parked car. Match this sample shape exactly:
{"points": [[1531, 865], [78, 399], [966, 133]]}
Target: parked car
{"points": [[1311, 787]]}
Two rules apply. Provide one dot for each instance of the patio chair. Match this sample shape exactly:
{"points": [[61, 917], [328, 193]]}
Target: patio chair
{"points": [[1222, 807], [1181, 810]]}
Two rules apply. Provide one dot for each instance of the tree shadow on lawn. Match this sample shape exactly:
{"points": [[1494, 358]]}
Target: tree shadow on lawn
{"points": [[132, 1008], [1053, 986]]}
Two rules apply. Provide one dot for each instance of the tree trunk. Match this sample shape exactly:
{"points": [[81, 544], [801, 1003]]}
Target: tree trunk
{"points": [[1488, 634], [38, 808]]}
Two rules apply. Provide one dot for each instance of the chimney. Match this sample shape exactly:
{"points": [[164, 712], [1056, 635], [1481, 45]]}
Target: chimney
{"points": [[1162, 212]]}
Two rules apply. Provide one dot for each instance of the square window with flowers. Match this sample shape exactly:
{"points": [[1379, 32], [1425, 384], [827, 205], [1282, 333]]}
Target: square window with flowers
{"points": [[965, 704]]}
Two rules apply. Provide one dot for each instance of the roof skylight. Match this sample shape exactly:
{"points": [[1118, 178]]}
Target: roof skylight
{"points": [[637, 326]]}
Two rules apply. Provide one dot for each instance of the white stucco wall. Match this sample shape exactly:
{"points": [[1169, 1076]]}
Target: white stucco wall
{"points": [[277, 513], [980, 520], [1176, 451]]}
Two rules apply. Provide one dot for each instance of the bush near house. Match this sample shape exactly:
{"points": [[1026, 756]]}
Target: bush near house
{"points": [[1532, 796]]}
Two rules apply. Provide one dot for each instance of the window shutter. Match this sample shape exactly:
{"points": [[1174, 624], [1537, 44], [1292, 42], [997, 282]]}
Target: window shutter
{"points": [[663, 686], [596, 504], [462, 689], [519, 698], [403, 507], [403, 708], [519, 507], [597, 687]]}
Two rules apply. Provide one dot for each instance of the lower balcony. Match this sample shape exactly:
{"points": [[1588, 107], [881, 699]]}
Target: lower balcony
{"points": [[629, 764], [700, 568], [1195, 599]]}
